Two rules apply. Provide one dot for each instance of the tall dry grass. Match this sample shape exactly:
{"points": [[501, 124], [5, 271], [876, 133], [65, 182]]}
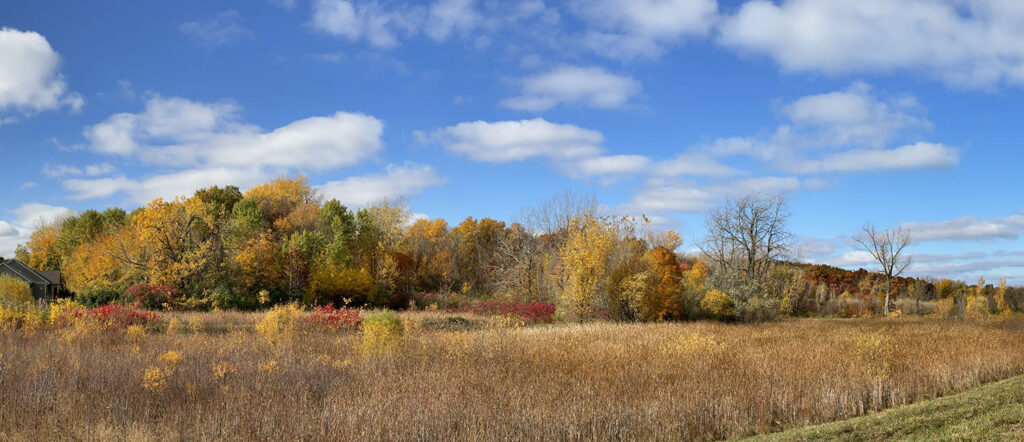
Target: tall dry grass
{"points": [[592, 381]]}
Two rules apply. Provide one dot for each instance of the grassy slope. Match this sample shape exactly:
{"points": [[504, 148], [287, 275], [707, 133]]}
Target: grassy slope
{"points": [[991, 412]]}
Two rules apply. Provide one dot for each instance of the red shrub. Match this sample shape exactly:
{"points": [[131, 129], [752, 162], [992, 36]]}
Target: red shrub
{"points": [[330, 318], [536, 311], [152, 296], [116, 316]]}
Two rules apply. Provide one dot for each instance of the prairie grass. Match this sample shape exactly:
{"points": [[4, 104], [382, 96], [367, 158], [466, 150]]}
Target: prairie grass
{"points": [[702, 380]]}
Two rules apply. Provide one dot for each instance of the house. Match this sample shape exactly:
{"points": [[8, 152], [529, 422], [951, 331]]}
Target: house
{"points": [[45, 284]]}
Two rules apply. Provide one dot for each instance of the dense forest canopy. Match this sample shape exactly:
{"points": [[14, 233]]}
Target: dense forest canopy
{"points": [[281, 242]]}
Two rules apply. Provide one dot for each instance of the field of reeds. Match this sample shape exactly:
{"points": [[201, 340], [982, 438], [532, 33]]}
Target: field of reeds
{"points": [[429, 376]]}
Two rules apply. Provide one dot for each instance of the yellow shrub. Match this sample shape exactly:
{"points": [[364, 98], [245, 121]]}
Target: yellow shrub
{"points": [[171, 359], [694, 344], [64, 312], [154, 379], [875, 351], [174, 327], [22, 316], [977, 308], [135, 331], [945, 308], [718, 304], [14, 291], [382, 332], [280, 323]]}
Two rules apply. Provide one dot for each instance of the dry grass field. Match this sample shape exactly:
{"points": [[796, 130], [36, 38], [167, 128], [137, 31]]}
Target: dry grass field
{"points": [[213, 376]]}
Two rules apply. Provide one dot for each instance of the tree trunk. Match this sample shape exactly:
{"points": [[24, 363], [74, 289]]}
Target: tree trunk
{"points": [[888, 289]]}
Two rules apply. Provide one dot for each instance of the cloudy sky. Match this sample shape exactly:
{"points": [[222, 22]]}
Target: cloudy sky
{"points": [[890, 111]]}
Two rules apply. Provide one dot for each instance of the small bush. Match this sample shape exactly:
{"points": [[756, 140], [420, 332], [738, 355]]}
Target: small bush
{"points": [[64, 311], [117, 316], [21, 316], [757, 309], [14, 291], [98, 295], [152, 296], [326, 317], [280, 323], [536, 311], [718, 304], [946, 308], [382, 332]]}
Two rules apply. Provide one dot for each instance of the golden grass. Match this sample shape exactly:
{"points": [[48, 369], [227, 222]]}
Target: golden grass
{"points": [[700, 380]]}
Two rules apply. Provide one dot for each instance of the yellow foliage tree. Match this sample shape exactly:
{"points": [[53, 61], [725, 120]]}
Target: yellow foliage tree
{"points": [[664, 300], [42, 246], [584, 261]]}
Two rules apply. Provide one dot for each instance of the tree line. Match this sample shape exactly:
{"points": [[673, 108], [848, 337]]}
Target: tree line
{"points": [[281, 242]]}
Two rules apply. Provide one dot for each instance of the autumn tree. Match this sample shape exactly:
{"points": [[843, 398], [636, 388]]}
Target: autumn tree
{"points": [[584, 260], [747, 235], [888, 248]]}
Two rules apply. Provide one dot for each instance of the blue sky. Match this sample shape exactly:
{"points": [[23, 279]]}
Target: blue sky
{"points": [[894, 112]]}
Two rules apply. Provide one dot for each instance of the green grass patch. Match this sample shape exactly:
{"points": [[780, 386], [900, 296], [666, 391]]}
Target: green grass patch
{"points": [[993, 411]]}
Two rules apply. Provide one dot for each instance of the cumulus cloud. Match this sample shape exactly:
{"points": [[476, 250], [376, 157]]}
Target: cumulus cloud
{"points": [[851, 130], [210, 145], [968, 43], [396, 181], [180, 132], [30, 80], [372, 21], [589, 86], [221, 29], [505, 141], [855, 116], [642, 28]]}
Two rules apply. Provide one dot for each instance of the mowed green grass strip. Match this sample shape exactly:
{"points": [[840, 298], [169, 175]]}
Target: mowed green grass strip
{"points": [[993, 411]]}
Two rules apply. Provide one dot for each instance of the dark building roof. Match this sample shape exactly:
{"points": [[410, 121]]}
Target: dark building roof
{"points": [[21, 271]]}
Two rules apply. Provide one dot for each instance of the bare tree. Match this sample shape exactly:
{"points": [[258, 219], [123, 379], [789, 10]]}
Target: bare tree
{"points": [[747, 234], [887, 247], [554, 215]]}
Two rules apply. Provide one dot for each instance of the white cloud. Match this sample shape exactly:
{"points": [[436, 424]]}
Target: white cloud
{"points": [[854, 258], [962, 42], [61, 170], [855, 116], [912, 156], [968, 228], [610, 165], [31, 214], [29, 77], [211, 146], [844, 131], [369, 20], [692, 197], [590, 86], [180, 132], [506, 141], [694, 164], [27, 185], [27, 218], [632, 28], [447, 16], [218, 30], [396, 181]]}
